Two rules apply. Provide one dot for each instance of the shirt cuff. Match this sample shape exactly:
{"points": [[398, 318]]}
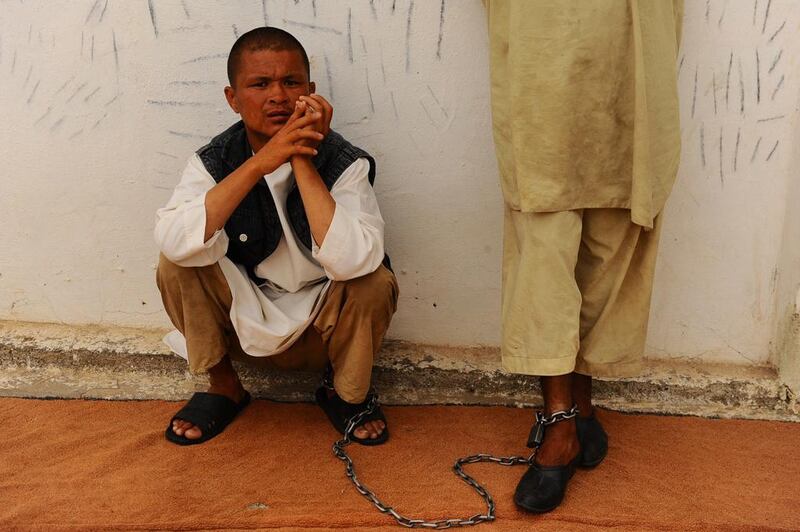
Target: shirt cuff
{"points": [[332, 248]]}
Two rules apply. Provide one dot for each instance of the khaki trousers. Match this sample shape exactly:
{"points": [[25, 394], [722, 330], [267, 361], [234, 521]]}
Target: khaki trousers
{"points": [[576, 292], [347, 332]]}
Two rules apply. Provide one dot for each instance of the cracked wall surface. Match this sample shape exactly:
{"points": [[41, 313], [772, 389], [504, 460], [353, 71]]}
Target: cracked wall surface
{"points": [[105, 100]]}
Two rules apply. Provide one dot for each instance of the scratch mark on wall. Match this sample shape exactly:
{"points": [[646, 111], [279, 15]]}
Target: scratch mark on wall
{"points": [[28, 76], [393, 5], [329, 75], [755, 11], [235, 31], [703, 145], [167, 154], [714, 90], [314, 7], [758, 78], [176, 103], [741, 88], [92, 53], [112, 100], [187, 135], [394, 105], [315, 27], [152, 10], [383, 68], [369, 91], [116, 51], [62, 87], [185, 9], [192, 82], [264, 12], [372, 9], [76, 134], [57, 124], [91, 11], [91, 94], [441, 31], [45, 115], [694, 91], [103, 13], [755, 150], [205, 58], [99, 120], [778, 87], [772, 38], [775, 147], [721, 160], [708, 9], [680, 65], [33, 92], [363, 44], [728, 81], [770, 119], [350, 35], [722, 15], [408, 36], [766, 17], [736, 151], [76, 92], [14, 62], [82, 39], [775, 61]]}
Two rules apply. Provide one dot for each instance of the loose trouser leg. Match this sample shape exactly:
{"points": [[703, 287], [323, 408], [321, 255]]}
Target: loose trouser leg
{"points": [[348, 332], [541, 301], [616, 265], [198, 301]]}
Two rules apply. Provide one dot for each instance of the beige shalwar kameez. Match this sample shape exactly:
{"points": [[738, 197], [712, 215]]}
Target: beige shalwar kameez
{"points": [[586, 128]]}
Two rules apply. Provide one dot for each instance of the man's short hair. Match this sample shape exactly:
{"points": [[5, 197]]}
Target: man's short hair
{"points": [[264, 38]]}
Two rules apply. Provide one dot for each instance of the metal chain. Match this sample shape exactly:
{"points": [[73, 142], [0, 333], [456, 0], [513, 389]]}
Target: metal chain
{"points": [[441, 524]]}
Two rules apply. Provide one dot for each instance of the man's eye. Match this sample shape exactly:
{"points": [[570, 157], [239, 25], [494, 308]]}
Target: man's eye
{"points": [[291, 82]]}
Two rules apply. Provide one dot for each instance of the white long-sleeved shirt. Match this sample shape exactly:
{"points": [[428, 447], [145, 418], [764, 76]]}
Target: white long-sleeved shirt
{"points": [[269, 318]]}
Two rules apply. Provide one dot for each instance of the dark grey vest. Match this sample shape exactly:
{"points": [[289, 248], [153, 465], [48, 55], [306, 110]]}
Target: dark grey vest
{"points": [[254, 229]]}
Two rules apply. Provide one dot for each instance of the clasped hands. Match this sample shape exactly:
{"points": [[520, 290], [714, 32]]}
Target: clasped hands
{"points": [[300, 136]]}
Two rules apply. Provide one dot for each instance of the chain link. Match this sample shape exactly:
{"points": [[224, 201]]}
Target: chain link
{"points": [[341, 454]]}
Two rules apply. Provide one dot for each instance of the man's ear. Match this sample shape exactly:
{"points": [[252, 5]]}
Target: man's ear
{"points": [[312, 87], [230, 95]]}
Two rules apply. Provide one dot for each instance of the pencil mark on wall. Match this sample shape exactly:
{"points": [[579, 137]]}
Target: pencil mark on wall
{"points": [[33, 92], [755, 11], [264, 12], [736, 150], [694, 92], [372, 9], [350, 35], [76, 134], [103, 13], [770, 119], [45, 115], [97, 123], [329, 76], [235, 31], [179, 103], [722, 15], [394, 105], [92, 50], [772, 152], [315, 27], [185, 135], [363, 44], [205, 58], [721, 165], [755, 150], [766, 17], [75, 93], [714, 90], [728, 81], [57, 124], [408, 36], [758, 77], [441, 31], [708, 9], [28, 76], [369, 92], [64, 86], [775, 61], [772, 38], [778, 87], [314, 7], [152, 10], [167, 154], [116, 51], [91, 11], [14, 62], [185, 9], [703, 145], [680, 65], [112, 100], [91, 94], [741, 88]]}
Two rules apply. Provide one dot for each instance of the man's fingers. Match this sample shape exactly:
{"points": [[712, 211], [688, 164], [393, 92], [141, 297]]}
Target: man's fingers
{"points": [[299, 110], [299, 149], [303, 134]]}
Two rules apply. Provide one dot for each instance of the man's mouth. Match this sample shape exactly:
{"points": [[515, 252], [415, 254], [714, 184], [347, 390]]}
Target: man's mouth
{"points": [[278, 114]]}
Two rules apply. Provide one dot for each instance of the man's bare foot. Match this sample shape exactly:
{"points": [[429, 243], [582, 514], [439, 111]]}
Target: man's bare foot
{"points": [[223, 381], [370, 429]]}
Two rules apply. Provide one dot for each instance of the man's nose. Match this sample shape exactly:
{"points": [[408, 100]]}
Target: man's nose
{"points": [[277, 94]]}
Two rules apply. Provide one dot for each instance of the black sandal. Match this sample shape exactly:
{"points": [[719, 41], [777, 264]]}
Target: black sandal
{"points": [[209, 412], [340, 412], [542, 488]]}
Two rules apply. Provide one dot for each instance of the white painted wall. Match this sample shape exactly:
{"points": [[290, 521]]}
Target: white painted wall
{"points": [[102, 102]]}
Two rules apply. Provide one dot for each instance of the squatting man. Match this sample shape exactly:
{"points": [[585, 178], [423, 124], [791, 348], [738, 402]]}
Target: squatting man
{"points": [[272, 248]]}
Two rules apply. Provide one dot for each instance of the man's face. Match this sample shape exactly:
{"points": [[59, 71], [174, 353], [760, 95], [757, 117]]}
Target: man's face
{"points": [[267, 85]]}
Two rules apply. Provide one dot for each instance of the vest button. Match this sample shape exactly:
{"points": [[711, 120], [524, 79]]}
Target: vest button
{"points": [[243, 238]]}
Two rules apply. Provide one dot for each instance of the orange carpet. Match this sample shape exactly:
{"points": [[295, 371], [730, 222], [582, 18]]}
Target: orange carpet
{"points": [[96, 465]]}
